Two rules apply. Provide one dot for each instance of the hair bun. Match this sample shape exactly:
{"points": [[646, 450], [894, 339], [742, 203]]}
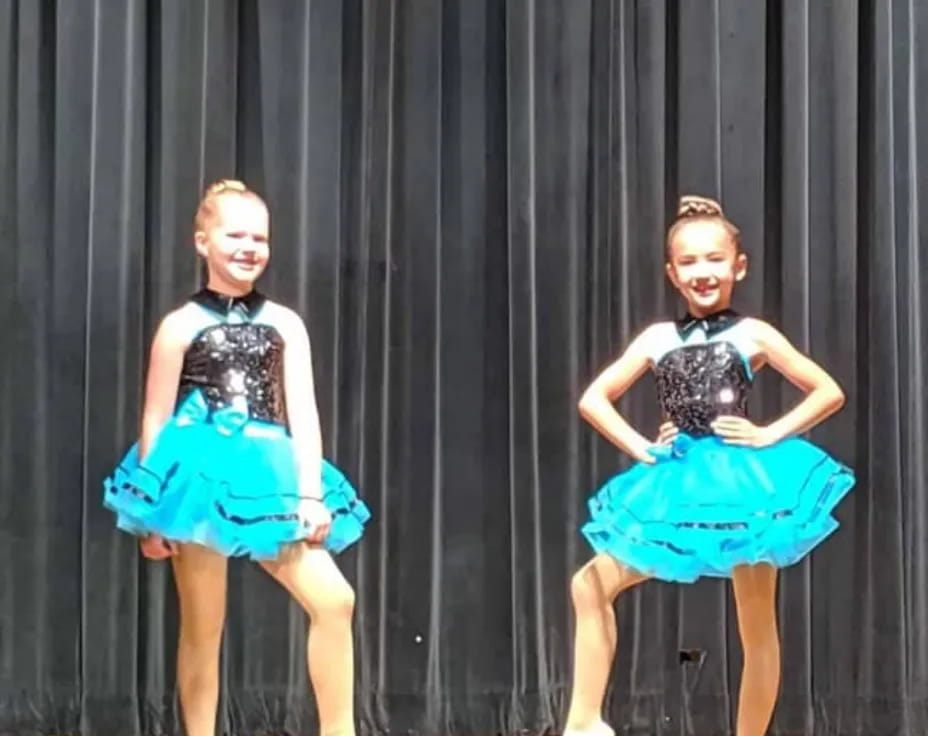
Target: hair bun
{"points": [[692, 205], [226, 185]]}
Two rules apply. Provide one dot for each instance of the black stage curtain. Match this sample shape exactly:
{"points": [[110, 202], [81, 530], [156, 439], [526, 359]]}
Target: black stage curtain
{"points": [[468, 203]]}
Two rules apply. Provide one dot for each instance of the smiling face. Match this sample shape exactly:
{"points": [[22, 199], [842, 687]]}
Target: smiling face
{"points": [[704, 264], [234, 243]]}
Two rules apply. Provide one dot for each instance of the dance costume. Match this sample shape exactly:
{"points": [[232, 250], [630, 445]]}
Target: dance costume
{"points": [[222, 472], [706, 506]]}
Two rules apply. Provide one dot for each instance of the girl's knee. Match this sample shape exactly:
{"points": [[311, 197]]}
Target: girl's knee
{"points": [[599, 582], [202, 622], [760, 635], [586, 590], [336, 601], [201, 631]]}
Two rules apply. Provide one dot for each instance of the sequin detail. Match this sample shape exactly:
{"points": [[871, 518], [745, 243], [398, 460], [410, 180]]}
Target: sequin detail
{"points": [[698, 383], [238, 366]]}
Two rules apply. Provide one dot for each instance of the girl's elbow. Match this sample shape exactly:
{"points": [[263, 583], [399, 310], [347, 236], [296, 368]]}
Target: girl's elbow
{"points": [[836, 398], [583, 405], [589, 402]]}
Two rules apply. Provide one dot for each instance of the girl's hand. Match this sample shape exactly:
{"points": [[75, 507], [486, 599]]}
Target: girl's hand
{"points": [[156, 547], [743, 432], [665, 437], [667, 433], [645, 457], [316, 516]]}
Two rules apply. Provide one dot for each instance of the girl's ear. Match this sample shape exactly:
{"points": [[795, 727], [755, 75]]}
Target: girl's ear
{"points": [[741, 266], [200, 243]]}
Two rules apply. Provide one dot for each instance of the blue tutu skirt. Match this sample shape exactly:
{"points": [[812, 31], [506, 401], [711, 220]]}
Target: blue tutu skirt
{"points": [[227, 482], [705, 507]]}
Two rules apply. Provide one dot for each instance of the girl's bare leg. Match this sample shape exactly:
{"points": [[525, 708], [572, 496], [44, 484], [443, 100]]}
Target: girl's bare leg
{"points": [[755, 598], [313, 579], [593, 590], [200, 577]]}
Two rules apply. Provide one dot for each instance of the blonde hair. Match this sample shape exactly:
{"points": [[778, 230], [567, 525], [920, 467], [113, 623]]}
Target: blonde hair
{"points": [[209, 205], [692, 208]]}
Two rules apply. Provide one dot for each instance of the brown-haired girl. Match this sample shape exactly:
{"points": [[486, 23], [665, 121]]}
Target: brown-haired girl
{"points": [[717, 495]]}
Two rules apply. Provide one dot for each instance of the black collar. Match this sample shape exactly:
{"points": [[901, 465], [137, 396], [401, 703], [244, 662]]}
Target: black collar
{"points": [[249, 303], [711, 324]]}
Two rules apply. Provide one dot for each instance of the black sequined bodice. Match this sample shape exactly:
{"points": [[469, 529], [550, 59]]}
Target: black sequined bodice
{"points": [[697, 383], [238, 362], [226, 361]]}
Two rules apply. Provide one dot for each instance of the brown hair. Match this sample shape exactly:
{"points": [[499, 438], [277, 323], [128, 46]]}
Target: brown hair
{"points": [[208, 208], [693, 208]]}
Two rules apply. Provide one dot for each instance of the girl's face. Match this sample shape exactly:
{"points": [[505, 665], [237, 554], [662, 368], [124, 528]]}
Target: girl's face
{"points": [[235, 243], [704, 265]]}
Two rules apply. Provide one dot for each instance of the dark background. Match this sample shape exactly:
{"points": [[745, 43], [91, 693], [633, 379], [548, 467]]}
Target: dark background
{"points": [[468, 203]]}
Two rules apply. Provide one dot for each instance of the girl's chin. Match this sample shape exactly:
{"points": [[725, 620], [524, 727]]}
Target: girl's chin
{"points": [[242, 275], [238, 282], [705, 303]]}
